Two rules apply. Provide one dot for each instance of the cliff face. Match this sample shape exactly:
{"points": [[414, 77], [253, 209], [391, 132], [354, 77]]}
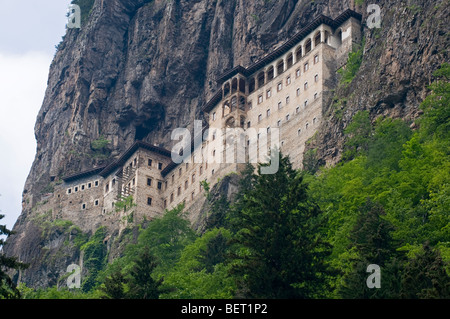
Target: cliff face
{"points": [[137, 69]]}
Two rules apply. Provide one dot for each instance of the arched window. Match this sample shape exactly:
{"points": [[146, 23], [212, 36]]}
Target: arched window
{"points": [[226, 89], [298, 53], [261, 78], [317, 39], [290, 60], [251, 85], [280, 67], [308, 46], [234, 85], [270, 73], [242, 85], [327, 36], [339, 37]]}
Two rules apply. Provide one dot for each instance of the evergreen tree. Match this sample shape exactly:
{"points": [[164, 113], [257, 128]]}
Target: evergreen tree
{"points": [[141, 282], [8, 289], [425, 276], [372, 240], [114, 286], [214, 253], [278, 249]]}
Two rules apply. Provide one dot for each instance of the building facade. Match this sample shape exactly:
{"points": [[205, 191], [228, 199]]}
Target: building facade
{"points": [[276, 101]]}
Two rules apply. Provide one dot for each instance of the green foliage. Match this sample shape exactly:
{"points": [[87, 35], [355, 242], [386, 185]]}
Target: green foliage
{"points": [[406, 173], [8, 289], [100, 148], [85, 7], [278, 250], [141, 283], [425, 276], [95, 258], [354, 61], [202, 272]]}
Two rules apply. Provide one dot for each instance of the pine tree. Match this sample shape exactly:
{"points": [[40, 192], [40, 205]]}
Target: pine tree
{"points": [[114, 286], [278, 248], [141, 282], [425, 276], [8, 289], [371, 237]]}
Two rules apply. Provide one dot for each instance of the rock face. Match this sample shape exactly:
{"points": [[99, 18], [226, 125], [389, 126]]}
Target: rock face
{"points": [[137, 69]]}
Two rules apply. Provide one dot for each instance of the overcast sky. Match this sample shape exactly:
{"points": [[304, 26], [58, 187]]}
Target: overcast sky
{"points": [[29, 31]]}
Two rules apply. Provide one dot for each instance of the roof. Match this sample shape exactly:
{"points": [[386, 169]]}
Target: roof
{"points": [[130, 151], [90, 172], [107, 169], [321, 19]]}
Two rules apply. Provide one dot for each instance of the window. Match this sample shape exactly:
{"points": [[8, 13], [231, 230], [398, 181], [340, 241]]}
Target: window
{"points": [[250, 106], [298, 92], [315, 96], [288, 99], [214, 116], [316, 58], [306, 86], [268, 112], [173, 179], [260, 99], [249, 124], [316, 78], [187, 166], [69, 191], [280, 86], [149, 182], [192, 195], [306, 103], [307, 124], [268, 129], [314, 120], [135, 162], [149, 201], [280, 67], [288, 117], [297, 73], [180, 171], [96, 202], [279, 123], [160, 166], [159, 185], [280, 105], [306, 67], [288, 80], [165, 203], [308, 46], [201, 170], [270, 73], [297, 110], [76, 189], [83, 206], [269, 93], [193, 178], [83, 187], [261, 79], [134, 181], [213, 171], [299, 132], [171, 197], [96, 183], [186, 184], [179, 191], [290, 60], [89, 185], [259, 117]]}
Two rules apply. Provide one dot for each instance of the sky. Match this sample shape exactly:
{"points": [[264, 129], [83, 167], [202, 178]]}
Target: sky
{"points": [[29, 31]]}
